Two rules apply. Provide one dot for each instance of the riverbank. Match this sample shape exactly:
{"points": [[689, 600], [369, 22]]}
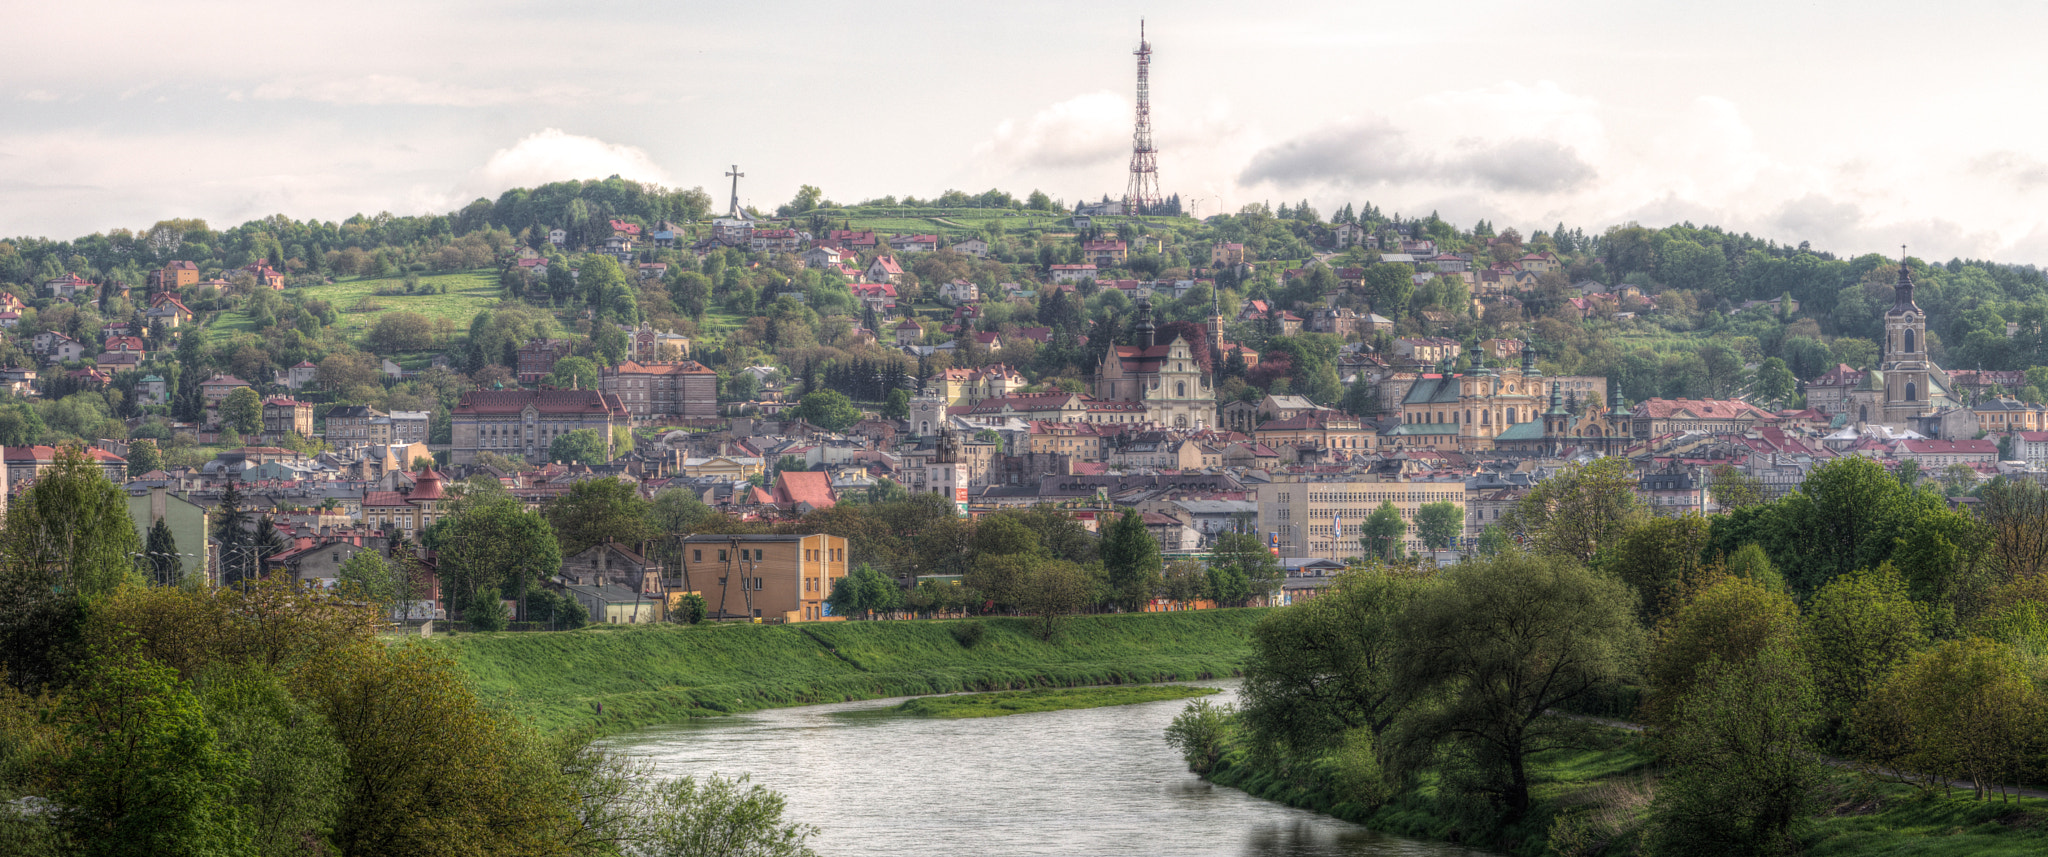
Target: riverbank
{"points": [[606, 679], [1006, 703], [1593, 802]]}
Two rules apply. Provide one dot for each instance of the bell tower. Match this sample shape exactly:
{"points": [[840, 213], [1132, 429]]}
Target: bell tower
{"points": [[1907, 392]]}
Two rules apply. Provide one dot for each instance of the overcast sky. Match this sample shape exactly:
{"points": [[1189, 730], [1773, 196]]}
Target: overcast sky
{"points": [[1858, 126]]}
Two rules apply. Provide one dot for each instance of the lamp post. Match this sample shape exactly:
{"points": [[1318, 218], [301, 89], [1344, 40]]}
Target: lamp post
{"points": [[162, 579]]}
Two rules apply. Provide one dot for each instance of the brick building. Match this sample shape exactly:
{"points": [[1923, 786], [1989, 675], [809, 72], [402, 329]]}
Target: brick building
{"points": [[525, 422], [681, 388]]}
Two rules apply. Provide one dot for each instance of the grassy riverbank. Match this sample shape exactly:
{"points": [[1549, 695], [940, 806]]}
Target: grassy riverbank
{"points": [[642, 675], [1010, 702], [1592, 802]]}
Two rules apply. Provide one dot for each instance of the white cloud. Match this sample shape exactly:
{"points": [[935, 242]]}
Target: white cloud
{"points": [[553, 155], [1083, 131]]}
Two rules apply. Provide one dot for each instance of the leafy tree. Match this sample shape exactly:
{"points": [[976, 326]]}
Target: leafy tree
{"points": [[1438, 525], [145, 773], [1743, 768], [490, 543], [581, 445], [572, 373], [1848, 514], [827, 409], [1581, 509], [1201, 733], [366, 575], [242, 411], [166, 568], [1241, 568], [1382, 533], [68, 543], [1963, 710], [596, 510], [897, 406], [1502, 642], [1493, 541], [1130, 556], [143, 457], [1183, 582], [399, 330], [2014, 513], [1322, 668], [1774, 381], [1660, 559], [1860, 627], [1729, 621], [290, 788], [1049, 591], [864, 591], [717, 817]]}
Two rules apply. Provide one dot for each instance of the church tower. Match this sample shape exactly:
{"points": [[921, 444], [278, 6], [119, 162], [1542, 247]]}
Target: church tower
{"points": [[1907, 392]]}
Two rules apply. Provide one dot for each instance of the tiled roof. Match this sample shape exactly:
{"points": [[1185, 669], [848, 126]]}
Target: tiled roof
{"points": [[546, 401]]}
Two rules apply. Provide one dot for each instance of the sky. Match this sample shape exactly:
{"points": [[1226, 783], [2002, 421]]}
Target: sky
{"points": [[1857, 126]]}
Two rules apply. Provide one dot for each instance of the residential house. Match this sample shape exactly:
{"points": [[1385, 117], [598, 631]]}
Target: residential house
{"points": [[773, 577], [914, 243], [214, 390], [956, 292], [1072, 273], [349, 425], [406, 513], [28, 462], [173, 276], [884, 269], [537, 358], [1106, 253], [166, 310], [616, 605], [971, 247], [774, 240], [1226, 255], [825, 256], [611, 564], [69, 286], [282, 416]]}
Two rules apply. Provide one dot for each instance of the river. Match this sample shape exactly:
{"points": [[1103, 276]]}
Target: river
{"points": [[1082, 782]]}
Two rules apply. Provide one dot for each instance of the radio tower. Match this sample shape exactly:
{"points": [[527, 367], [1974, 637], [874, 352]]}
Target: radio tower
{"points": [[1143, 194]]}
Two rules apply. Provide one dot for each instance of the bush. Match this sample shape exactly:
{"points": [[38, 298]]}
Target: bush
{"points": [[1199, 733], [969, 633], [486, 612], [691, 610]]}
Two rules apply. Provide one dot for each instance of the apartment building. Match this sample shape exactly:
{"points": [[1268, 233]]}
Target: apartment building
{"points": [[1305, 514], [773, 578]]}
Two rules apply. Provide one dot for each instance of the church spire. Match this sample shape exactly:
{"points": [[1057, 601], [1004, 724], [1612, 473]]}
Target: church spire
{"points": [[1902, 300], [1144, 328]]}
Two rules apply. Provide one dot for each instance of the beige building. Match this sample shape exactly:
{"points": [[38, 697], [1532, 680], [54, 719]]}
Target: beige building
{"points": [[678, 388], [525, 422], [1166, 378], [774, 578], [1305, 515]]}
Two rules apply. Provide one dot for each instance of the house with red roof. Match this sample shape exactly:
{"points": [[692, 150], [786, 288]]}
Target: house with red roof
{"points": [[69, 286], [406, 512], [25, 463], [623, 229], [1937, 454], [884, 270], [803, 491]]}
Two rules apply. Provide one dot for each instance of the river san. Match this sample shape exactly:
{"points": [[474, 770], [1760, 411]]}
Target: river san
{"points": [[1083, 782]]}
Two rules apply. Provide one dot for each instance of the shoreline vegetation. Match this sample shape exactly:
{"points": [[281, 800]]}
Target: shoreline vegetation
{"points": [[1006, 703], [605, 680]]}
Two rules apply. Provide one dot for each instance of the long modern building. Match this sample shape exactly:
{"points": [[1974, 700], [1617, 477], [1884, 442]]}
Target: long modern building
{"points": [[525, 422], [1305, 515]]}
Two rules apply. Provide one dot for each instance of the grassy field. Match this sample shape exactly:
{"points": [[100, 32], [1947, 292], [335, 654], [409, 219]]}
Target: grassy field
{"points": [[1616, 778], [469, 292], [1010, 702], [640, 675]]}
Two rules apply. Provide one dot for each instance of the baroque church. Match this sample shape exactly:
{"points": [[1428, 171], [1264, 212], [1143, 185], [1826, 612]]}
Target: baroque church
{"points": [[1167, 378], [1510, 411], [1905, 384]]}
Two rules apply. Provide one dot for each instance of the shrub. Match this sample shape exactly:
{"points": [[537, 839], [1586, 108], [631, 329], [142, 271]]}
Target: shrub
{"points": [[1199, 733], [969, 634], [486, 612]]}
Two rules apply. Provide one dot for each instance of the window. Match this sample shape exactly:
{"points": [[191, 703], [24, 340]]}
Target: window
{"points": [[721, 556], [697, 556]]}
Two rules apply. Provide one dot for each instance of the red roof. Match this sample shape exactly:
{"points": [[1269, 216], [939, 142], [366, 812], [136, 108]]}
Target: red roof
{"points": [[677, 367], [546, 401], [427, 486], [1952, 447], [623, 226], [795, 487], [888, 264]]}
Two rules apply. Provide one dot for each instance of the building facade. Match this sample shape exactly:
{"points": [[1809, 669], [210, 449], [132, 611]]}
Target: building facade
{"points": [[1305, 516], [525, 422], [1167, 379], [780, 578], [679, 388]]}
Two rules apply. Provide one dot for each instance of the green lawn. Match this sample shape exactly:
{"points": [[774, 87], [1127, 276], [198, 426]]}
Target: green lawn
{"points": [[469, 292]]}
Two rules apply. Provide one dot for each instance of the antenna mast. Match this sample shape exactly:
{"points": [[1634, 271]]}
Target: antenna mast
{"points": [[1143, 194]]}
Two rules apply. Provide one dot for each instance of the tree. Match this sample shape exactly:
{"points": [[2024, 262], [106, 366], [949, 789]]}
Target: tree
{"points": [[1742, 767], [291, 780], [68, 543], [1500, 643], [897, 406], [1734, 489], [1774, 382], [490, 543], [1439, 524], [581, 445], [1580, 509], [1859, 628], [166, 568], [231, 529], [827, 409], [1963, 710], [864, 591], [1130, 556], [1183, 582], [1848, 514], [1241, 568], [399, 330], [598, 510], [1729, 621], [572, 373], [143, 457], [366, 575], [1660, 558], [718, 817], [242, 411], [2015, 516], [1382, 533], [144, 773], [1322, 668], [1049, 591]]}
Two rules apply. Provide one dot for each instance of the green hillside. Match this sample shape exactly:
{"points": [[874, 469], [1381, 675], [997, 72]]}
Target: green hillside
{"points": [[469, 292], [653, 674]]}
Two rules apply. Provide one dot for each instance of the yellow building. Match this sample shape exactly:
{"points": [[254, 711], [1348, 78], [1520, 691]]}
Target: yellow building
{"points": [[773, 578], [728, 467], [1305, 514]]}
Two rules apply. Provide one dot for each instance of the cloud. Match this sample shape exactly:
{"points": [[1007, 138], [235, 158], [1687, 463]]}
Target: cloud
{"points": [[1366, 152], [384, 89], [2023, 171], [1083, 131], [553, 155]]}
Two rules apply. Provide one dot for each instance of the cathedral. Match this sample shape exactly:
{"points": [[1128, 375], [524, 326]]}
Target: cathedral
{"points": [[1906, 384], [1511, 411], [1167, 378]]}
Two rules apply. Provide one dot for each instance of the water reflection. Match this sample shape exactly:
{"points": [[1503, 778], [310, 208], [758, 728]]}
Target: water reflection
{"points": [[1096, 781]]}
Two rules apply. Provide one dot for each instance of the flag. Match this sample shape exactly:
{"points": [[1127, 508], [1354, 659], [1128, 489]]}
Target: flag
{"points": [[1337, 525]]}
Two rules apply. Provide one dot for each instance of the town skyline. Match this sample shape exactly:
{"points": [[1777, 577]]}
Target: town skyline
{"points": [[1852, 133]]}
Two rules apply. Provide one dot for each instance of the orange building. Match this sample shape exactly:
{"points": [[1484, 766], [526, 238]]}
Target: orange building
{"points": [[775, 578]]}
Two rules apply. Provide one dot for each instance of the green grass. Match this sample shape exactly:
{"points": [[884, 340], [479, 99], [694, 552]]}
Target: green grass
{"points": [[1011, 702], [469, 292], [643, 675]]}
